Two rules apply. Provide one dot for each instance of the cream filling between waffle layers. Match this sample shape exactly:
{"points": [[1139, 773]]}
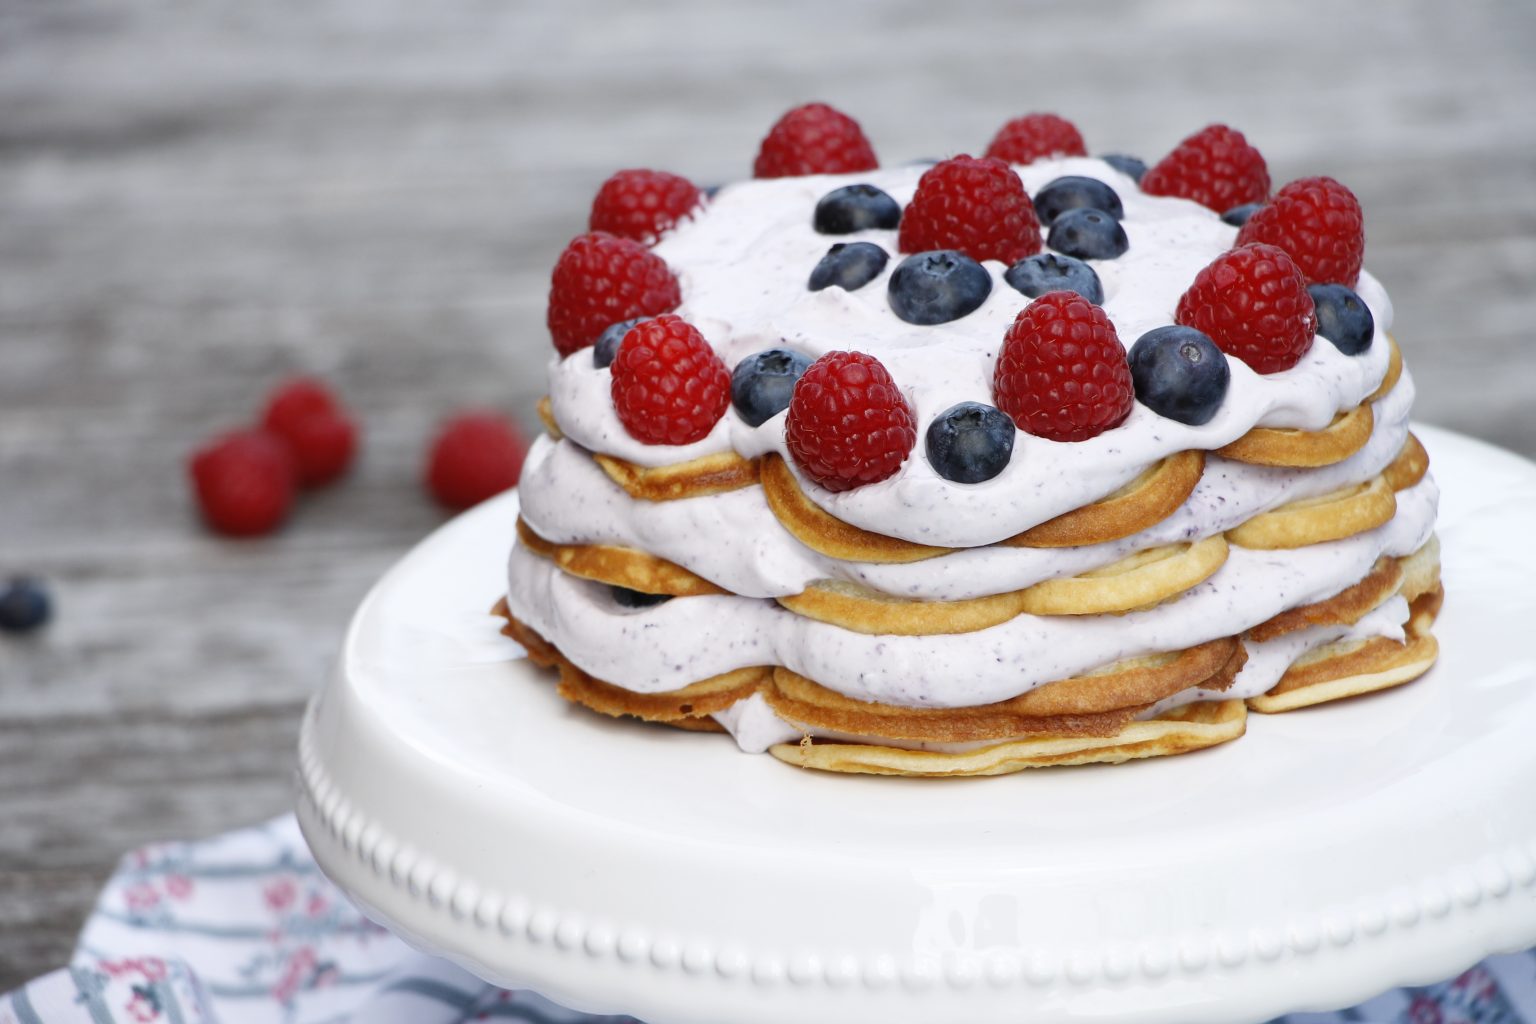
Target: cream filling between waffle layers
{"points": [[755, 726], [742, 264], [668, 646], [734, 541]]}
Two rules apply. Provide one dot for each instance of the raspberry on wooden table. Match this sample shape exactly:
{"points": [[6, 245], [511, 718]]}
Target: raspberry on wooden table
{"points": [[814, 139], [668, 386], [475, 456], [601, 279], [848, 425], [1026, 139], [642, 204], [243, 481], [1215, 167], [1252, 302], [1061, 373], [976, 206], [1319, 223], [306, 416]]}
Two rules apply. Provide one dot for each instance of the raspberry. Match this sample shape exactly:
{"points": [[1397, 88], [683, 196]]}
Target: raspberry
{"points": [[1215, 167], [668, 387], [1253, 303], [976, 206], [601, 279], [244, 482], [642, 204], [1026, 139], [848, 425], [1317, 221], [1062, 372], [814, 139], [475, 456], [305, 415]]}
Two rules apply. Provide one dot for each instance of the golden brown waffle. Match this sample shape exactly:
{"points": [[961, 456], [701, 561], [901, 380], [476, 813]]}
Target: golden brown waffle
{"points": [[546, 410], [1097, 703], [1136, 581], [798, 700], [821, 531], [1394, 371], [1332, 516], [1351, 668], [1409, 466], [1345, 608], [622, 567], [708, 474], [688, 708], [1180, 731], [1411, 576], [1150, 498], [1277, 446], [1338, 514], [1147, 500]]}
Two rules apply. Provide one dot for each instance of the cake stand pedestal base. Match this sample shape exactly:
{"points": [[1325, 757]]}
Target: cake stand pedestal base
{"points": [[1326, 856]]}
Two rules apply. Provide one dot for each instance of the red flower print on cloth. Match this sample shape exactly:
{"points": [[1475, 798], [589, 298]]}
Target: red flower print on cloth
{"points": [[279, 894]]}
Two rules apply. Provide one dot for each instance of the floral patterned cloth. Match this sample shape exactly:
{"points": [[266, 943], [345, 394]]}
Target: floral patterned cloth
{"points": [[243, 929]]}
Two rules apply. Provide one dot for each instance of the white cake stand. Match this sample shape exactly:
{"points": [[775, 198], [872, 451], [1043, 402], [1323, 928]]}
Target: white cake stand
{"points": [[1328, 855]]}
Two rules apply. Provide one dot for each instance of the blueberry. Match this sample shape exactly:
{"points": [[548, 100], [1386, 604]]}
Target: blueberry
{"points": [[24, 606], [1047, 272], [848, 265], [1131, 166], [1342, 318], [1179, 373], [1088, 235], [937, 287], [608, 342], [1073, 192], [970, 442], [762, 383], [1238, 215], [855, 208], [627, 598]]}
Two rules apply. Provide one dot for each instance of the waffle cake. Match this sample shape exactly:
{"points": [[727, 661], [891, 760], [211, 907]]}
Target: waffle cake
{"points": [[965, 467]]}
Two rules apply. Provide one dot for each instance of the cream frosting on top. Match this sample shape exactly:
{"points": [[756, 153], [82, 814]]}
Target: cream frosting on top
{"points": [[743, 262]]}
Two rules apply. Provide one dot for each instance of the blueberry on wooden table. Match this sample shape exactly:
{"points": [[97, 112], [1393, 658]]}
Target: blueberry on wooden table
{"points": [[24, 605]]}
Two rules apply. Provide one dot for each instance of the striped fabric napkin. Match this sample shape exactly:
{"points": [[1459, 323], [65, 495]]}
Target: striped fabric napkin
{"points": [[243, 929]]}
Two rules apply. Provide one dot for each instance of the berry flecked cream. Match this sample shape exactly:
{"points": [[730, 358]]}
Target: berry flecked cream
{"points": [[957, 469]]}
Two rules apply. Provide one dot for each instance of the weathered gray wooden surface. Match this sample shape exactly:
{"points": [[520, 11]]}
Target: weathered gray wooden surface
{"points": [[198, 198]]}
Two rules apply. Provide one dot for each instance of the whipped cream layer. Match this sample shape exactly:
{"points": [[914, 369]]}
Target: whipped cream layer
{"points": [[670, 645], [743, 261], [734, 541], [755, 726]]}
